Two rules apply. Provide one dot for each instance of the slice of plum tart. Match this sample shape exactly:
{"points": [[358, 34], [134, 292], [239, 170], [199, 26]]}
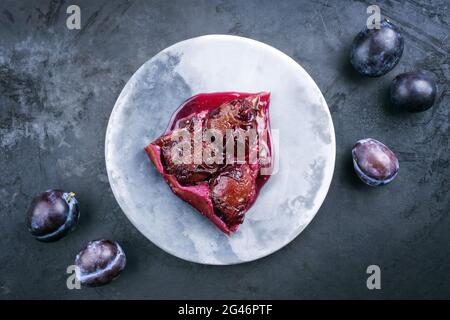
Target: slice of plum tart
{"points": [[216, 154]]}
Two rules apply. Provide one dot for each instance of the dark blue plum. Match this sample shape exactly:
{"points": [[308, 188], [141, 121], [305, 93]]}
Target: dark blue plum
{"points": [[52, 215], [374, 163], [377, 51], [413, 91], [99, 262]]}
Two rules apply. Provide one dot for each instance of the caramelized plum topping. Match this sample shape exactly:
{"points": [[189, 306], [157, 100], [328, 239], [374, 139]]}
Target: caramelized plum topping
{"points": [[239, 113], [233, 190], [186, 173]]}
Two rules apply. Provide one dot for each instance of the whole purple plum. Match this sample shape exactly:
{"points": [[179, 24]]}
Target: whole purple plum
{"points": [[413, 91], [99, 262], [374, 163], [375, 52], [52, 215]]}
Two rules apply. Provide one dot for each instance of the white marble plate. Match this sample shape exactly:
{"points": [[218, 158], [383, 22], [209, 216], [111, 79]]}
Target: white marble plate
{"points": [[214, 63]]}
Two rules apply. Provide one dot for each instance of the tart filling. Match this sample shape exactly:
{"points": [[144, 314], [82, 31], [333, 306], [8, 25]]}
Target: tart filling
{"points": [[216, 154]]}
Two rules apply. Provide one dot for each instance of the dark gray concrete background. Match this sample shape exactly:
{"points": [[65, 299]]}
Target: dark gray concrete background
{"points": [[58, 87]]}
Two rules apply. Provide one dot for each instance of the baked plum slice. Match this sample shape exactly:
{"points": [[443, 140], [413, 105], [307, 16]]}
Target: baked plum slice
{"points": [[222, 184], [233, 191]]}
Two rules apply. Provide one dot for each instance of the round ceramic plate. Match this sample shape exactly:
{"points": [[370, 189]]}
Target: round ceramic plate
{"points": [[300, 120]]}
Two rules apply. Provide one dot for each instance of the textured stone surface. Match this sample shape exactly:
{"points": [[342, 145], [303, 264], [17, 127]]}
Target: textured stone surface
{"points": [[57, 89]]}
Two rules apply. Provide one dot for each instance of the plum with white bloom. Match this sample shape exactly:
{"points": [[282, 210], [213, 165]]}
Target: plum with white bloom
{"points": [[374, 163], [99, 262]]}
